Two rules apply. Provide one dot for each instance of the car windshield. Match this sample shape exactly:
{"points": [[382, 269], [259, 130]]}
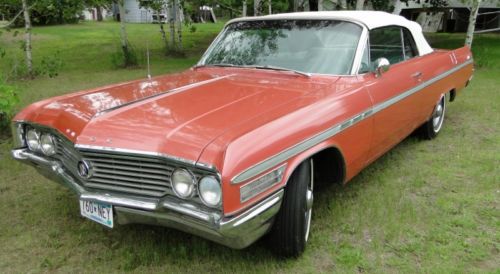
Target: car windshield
{"points": [[310, 46]]}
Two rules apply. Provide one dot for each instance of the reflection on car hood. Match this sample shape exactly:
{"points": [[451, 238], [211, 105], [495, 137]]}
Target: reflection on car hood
{"points": [[175, 114]]}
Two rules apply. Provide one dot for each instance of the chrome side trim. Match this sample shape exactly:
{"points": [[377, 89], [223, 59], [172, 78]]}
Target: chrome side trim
{"points": [[330, 132], [255, 187], [254, 211]]}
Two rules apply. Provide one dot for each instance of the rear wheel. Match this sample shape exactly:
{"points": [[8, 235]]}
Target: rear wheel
{"points": [[292, 225], [430, 129]]}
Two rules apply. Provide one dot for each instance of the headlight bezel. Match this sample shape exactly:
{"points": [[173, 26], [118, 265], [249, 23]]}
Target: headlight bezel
{"points": [[29, 144], [192, 182], [52, 141], [200, 195], [18, 134]]}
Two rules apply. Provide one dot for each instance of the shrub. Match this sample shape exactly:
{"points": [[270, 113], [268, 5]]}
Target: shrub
{"points": [[124, 57], [50, 65], [8, 102]]}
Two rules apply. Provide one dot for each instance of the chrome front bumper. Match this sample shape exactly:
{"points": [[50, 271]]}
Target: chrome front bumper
{"points": [[236, 231]]}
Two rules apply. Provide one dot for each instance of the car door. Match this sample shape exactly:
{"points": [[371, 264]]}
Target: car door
{"points": [[395, 114]]}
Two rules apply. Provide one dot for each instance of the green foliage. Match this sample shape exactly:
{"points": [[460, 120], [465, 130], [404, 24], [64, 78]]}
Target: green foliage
{"points": [[50, 65], [125, 57], [192, 28], [45, 12], [8, 102]]}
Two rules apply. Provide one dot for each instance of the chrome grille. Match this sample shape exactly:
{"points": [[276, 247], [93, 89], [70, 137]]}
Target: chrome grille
{"points": [[141, 175], [137, 174], [67, 154]]}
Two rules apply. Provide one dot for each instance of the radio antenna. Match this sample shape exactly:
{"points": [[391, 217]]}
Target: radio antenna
{"points": [[147, 57]]}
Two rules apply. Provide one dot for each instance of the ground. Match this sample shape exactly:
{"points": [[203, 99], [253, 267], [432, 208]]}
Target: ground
{"points": [[426, 206]]}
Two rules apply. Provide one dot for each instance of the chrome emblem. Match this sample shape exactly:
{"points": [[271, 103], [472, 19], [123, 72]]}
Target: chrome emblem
{"points": [[84, 169]]}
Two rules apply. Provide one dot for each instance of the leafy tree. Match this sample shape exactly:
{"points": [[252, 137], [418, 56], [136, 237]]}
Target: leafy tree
{"points": [[44, 12]]}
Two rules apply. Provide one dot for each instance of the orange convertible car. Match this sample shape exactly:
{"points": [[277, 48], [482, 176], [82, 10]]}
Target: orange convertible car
{"points": [[229, 150]]}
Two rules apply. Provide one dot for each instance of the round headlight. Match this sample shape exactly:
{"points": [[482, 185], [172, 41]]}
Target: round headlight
{"points": [[47, 144], [33, 139], [210, 191], [183, 183]]}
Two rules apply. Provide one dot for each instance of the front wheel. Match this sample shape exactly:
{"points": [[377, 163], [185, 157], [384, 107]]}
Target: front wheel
{"points": [[430, 129], [292, 224]]}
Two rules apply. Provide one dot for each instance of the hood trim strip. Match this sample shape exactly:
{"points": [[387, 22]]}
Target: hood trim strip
{"points": [[167, 92]]}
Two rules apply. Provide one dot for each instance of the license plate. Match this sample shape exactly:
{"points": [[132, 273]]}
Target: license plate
{"points": [[98, 212]]}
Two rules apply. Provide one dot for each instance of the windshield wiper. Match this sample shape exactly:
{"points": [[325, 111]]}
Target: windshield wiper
{"points": [[255, 67], [215, 65], [279, 68]]}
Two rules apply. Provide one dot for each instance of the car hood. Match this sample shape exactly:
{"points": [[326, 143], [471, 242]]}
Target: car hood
{"points": [[176, 115]]}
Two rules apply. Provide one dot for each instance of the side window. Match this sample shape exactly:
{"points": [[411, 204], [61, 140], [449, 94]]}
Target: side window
{"points": [[409, 45], [386, 42]]}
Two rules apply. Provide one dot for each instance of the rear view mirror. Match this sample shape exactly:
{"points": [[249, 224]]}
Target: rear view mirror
{"points": [[381, 65]]}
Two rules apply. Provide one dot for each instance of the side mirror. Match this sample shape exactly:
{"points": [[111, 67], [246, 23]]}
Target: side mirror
{"points": [[381, 65]]}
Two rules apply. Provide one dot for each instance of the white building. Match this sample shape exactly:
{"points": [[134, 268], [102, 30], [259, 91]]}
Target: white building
{"points": [[134, 13]]}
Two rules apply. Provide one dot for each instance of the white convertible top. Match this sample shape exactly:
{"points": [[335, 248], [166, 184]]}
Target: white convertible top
{"points": [[370, 19]]}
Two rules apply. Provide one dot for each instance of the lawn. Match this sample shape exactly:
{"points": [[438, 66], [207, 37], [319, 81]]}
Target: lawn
{"points": [[426, 206]]}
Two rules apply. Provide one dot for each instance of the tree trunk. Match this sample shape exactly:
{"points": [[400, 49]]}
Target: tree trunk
{"points": [[343, 4], [313, 5], [360, 4], [244, 12], [270, 6], [256, 7], [472, 22], [320, 5], [179, 26], [291, 5], [162, 30], [123, 28], [98, 10], [398, 6], [171, 22], [27, 26]]}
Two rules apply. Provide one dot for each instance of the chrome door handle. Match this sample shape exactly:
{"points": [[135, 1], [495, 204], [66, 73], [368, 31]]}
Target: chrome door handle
{"points": [[417, 74]]}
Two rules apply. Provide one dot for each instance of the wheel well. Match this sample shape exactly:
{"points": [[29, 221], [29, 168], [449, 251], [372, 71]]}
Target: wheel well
{"points": [[329, 166], [453, 93]]}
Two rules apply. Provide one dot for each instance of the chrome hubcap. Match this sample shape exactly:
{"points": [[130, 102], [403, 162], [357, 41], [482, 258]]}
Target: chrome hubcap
{"points": [[309, 202], [438, 115]]}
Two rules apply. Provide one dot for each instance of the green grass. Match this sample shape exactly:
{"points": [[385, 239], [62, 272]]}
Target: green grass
{"points": [[426, 206]]}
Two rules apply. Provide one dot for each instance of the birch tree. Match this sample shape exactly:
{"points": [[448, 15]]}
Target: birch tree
{"points": [[343, 4], [123, 27], [360, 4], [398, 6], [474, 10], [256, 7], [27, 46]]}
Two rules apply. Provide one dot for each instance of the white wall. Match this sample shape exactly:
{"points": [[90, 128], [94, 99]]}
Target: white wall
{"points": [[135, 14]]}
